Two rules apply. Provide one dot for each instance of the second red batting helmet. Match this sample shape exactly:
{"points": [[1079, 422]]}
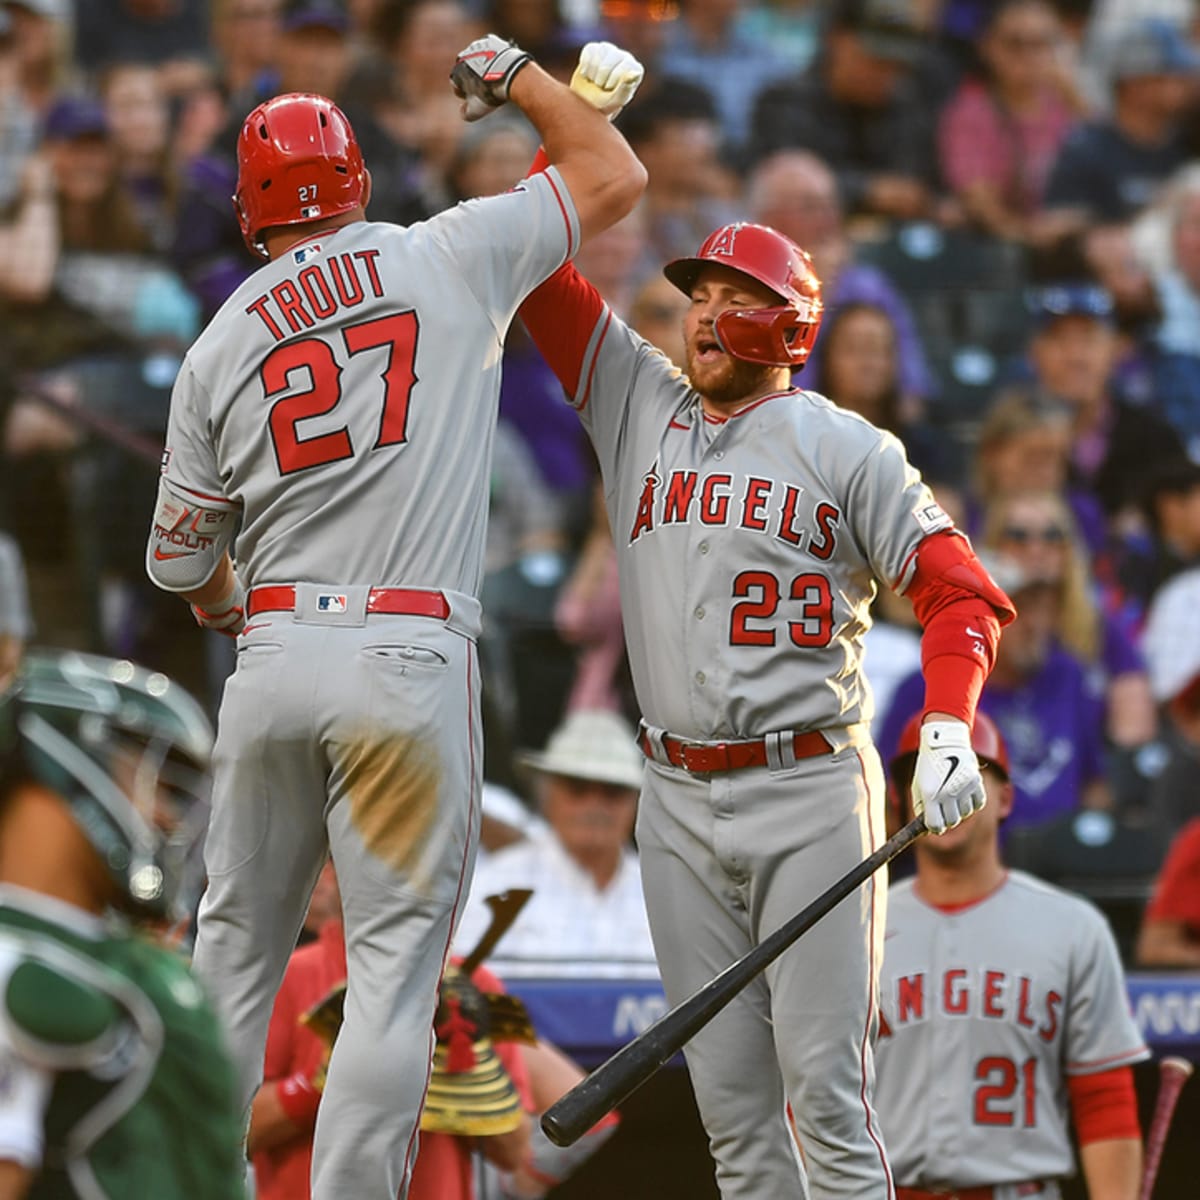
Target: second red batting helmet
{"points": [[774, 336], [298, 161], [986, 741]]}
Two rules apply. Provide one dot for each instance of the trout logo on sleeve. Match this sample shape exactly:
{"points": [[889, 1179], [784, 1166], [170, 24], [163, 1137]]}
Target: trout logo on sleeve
{"points": [[785, 511]]}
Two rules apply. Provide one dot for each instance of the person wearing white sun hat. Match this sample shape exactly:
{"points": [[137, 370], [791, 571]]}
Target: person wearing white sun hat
{"points": [[587, 917]]}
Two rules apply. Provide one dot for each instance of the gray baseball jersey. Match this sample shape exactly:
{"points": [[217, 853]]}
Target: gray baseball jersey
{"points": [[300, 402], [749, 548], [343, 401], [985, 1012]]}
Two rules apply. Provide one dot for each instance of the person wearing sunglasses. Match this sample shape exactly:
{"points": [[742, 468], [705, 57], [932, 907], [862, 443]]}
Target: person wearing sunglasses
{"points": [[1037, 531]]}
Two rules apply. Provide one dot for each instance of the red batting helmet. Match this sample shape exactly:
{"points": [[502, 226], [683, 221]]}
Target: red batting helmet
{"points": [[986, 741], [774, 337], [298, 161]]}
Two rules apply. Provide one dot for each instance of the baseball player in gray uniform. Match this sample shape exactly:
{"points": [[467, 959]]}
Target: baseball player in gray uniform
{"points": [[752, 520], [1004, 1017], [339, 410]]}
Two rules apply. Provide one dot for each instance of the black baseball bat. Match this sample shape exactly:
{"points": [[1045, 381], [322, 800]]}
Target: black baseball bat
{"points": [[573, 1114]]}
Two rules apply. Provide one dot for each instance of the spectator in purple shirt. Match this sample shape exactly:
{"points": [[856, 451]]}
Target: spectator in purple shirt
{"points": [[1048, 705], [797, 193]]}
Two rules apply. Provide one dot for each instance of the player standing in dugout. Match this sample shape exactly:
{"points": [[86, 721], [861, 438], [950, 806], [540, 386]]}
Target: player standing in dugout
{"points": [[752, 520], [339, 412]]}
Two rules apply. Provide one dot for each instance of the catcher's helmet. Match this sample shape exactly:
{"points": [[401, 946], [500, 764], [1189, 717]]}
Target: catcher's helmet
{"points": [[986, 741], [127, 750], [298, 161], [774, 337]]}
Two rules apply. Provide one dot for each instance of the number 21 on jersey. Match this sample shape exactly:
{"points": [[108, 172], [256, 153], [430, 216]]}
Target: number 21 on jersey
{"points": [[393, 338]]}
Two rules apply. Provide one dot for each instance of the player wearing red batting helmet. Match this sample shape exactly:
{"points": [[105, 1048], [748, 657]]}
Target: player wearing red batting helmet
{"points": [[779, 336], [298, 161], [986, 740]]}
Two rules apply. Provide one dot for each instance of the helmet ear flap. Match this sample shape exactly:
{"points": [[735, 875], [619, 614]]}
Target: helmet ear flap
{"points": [[773, 337]]}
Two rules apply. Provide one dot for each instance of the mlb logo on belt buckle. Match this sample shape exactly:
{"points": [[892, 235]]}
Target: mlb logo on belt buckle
{"points": [[331, 602]]}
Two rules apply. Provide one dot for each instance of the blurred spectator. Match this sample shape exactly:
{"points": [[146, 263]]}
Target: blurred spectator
{"points": [[587, 916], [1024, 445], [795, 192], [1172, 544], [588, 616], [492, 156], [245, 36], [1048, 705], [170, 34], [1036, 530], [16, 624], [999, 135], [139, 120], [707, 46], [1170, 933], [675, 133], [657, 314], [41, 38], [859, 370], [639, 26], [1167, 240], [891, 648], [1074, 352], [859, 108], [615, 260], [29, 241], [18, 122], [1111, 168], [791, 27], [522, 517], [534, 25], [1172, 646]]}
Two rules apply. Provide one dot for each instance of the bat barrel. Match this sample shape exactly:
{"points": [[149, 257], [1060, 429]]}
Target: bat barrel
{"points": [[570, 1117]]}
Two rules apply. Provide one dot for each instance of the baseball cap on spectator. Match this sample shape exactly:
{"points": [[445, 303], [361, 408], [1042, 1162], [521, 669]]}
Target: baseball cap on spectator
{"points": [[75, 117], [1151, 47], [591, 744], [1171, 638], [1047, 304], [888, 29], [311, 14]]}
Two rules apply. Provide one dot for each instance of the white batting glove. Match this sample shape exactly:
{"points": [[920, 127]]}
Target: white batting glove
{"points": [[227, 615], [607, 77], [483, 73], [947, 786]]}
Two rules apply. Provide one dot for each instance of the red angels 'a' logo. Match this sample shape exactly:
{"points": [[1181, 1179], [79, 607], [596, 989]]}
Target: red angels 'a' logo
{"points": [[722, 242]]}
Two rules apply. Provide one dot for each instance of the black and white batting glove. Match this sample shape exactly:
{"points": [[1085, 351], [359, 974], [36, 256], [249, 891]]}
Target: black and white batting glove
{"points": [[227, 615], [484, 72], [947, 786], [607, 77]]}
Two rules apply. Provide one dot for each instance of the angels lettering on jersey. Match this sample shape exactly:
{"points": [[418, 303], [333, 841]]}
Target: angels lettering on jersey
{"points": [[776, 509]]}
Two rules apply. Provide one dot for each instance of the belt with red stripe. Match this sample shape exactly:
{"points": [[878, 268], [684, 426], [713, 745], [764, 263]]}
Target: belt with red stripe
{"points": [[704, 757], [411, 602], [1031, 1188]]}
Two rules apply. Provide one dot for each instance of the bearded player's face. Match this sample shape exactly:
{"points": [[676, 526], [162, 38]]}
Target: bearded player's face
{"points": [[716, 375]]}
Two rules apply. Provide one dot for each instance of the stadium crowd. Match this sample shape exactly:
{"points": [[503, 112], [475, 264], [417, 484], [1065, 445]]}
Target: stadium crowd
{"points": [[1001, 197]]}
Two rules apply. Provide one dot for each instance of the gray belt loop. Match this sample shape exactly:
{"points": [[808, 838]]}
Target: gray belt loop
{"points": [[781, 750], [654, 737]]}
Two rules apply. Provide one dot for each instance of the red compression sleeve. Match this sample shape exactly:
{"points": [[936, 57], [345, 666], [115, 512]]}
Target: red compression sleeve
{"points": [[961, 611], [1104, 1105]]}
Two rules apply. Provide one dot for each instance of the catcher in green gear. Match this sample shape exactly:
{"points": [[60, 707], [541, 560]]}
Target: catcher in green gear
{"points": [[114, 1083]]}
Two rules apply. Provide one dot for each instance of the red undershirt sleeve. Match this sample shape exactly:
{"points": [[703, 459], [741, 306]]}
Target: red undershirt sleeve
{"points": [[1104, 1105]]}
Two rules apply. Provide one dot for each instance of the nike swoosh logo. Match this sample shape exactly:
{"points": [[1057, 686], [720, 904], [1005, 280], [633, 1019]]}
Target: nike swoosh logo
{"points": [[953, 761], [159, 556], [974, 633]]}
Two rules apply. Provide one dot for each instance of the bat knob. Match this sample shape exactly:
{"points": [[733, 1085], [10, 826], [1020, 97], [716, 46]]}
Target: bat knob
{"points": [[555, 1130]]}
